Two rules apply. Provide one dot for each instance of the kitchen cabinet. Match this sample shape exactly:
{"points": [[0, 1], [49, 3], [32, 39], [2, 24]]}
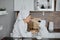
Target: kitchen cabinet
{"points": [[34, 5], [57, 5], [23, 4], [44, 5]]}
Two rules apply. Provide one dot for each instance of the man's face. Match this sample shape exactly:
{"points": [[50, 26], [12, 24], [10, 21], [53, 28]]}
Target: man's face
{"points": [[28, 19]]}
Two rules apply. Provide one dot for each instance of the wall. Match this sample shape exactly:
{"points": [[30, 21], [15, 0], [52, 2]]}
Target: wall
{"points": [[7, 20]]}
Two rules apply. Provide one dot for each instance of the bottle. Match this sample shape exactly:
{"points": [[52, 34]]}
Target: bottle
{"points": [[51, 26]]}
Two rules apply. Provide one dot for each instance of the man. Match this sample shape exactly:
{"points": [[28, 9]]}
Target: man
{"points": [[20, 26]]}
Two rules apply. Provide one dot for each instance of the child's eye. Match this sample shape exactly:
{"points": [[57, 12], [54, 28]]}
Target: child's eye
{"points": [[39, 21]]}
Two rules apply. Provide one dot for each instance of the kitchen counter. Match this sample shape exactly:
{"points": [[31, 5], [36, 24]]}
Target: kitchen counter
{"points": [[8, 38]]}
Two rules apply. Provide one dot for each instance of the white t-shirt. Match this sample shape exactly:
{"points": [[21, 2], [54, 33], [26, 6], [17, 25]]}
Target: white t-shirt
{"points": [[20, 29]]}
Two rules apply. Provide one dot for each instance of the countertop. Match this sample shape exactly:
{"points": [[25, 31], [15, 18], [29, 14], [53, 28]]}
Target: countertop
{"points": [[8, 38]]}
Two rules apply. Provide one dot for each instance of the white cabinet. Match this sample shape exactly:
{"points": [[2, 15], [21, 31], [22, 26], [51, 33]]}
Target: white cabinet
{"points": [[44, 5], [23, 4], [34, 5], [57, 5]]}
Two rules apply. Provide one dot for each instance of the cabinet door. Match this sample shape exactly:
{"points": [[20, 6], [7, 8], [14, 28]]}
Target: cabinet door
{"points": [[57, 5], [44, 5], [23, 4]]}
